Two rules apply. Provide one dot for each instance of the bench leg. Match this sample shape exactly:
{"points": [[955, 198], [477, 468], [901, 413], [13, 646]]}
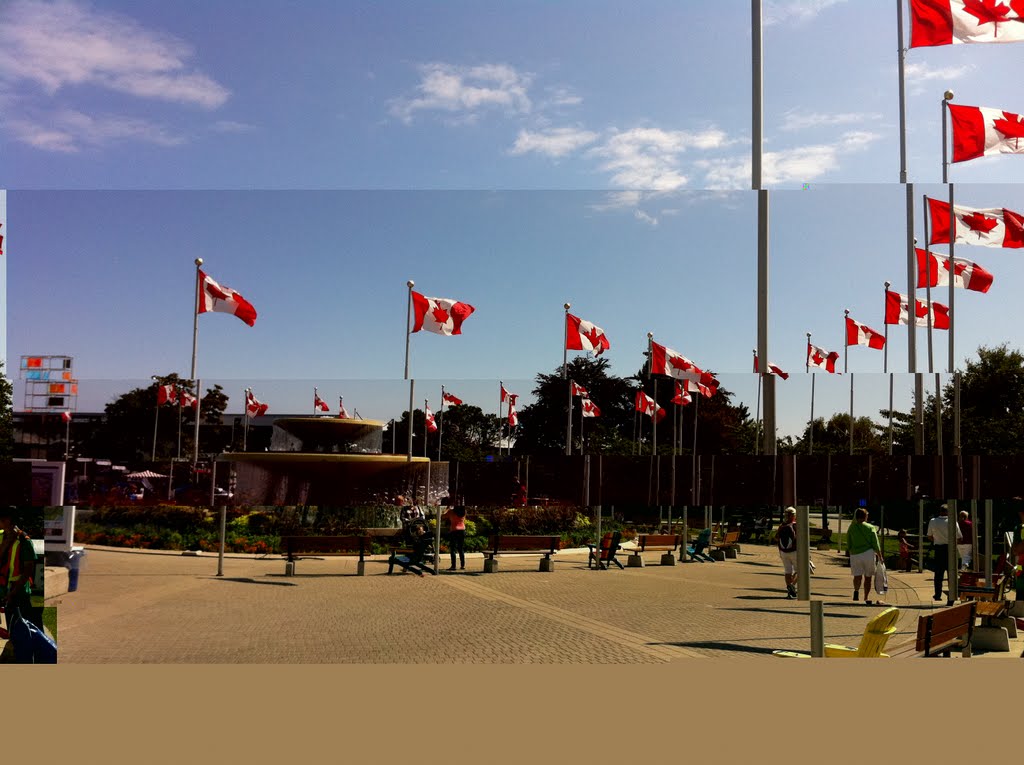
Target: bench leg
{"points": [[635, 561], [668, 559], [547, 565], [730, 552], [361, 568], [289, 568], [991, 639], [490, 565]]}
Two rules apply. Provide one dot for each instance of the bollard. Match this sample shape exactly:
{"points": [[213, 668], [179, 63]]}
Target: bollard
{"points": [[817, 629]]}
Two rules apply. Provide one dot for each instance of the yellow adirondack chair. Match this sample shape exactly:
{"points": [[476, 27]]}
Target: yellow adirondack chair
{"points": [[876, 635]]}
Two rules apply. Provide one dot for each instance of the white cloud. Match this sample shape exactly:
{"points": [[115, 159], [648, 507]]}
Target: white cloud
{"points": [[65, 43], [801, 164], [923, 72], [556, 142], [67, 130], [230, 126], [796, 119], [643, 217], [466, 91], [561, 96], [794, 11], [649, 158]]}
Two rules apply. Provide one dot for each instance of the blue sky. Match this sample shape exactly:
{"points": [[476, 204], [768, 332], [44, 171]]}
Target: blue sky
{"points": [[541, 152]]}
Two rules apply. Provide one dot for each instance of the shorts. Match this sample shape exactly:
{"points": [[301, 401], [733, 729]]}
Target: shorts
{"points": [[788, 561], [863, 564]]}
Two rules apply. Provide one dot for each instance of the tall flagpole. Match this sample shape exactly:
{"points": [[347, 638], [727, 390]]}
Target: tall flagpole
{"points": [[757, 132], [426, 406], [440, 425], [757, 414], [885, 368], [846, 368], [947, 97], [807, 370], [565, 375], [912, 307], [501, 425], [245, 415], [156, 419], [412, 383], [195, 345]]}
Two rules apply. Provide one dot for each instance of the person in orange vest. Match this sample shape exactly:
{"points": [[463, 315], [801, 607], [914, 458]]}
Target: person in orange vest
{"points": [[17, 567]]}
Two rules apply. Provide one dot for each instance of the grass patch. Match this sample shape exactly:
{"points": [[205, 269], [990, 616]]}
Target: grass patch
{"points": [[50, 620]]}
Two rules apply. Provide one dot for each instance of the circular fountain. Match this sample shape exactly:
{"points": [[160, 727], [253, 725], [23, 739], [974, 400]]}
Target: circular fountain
{"points": [[332, 462]]}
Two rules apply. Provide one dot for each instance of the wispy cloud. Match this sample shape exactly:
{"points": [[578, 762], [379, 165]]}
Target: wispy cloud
{"points": [[561, 96], [67, 130], [230, 126], [63, 44], [797, 165], [794, 11], [650, 158], [643, 217], [796, 119], [465, 92], [555, 142]]}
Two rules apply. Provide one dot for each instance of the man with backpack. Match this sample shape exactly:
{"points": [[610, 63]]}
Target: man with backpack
{"points": [[785, 540]]}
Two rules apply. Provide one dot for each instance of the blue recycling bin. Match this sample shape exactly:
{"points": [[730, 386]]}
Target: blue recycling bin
{"points": [[74, 565]]}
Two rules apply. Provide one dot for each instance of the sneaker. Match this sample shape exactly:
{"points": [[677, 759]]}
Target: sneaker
{"points": [[856, 596], [937, 597], [867, 602], [790, 596]]}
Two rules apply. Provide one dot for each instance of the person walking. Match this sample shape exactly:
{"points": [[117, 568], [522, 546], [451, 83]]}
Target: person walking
{"points": [[785, 540], [865, 552], [457, 534], [17, 567], [965, 547], [938, 533], [904, 551]]}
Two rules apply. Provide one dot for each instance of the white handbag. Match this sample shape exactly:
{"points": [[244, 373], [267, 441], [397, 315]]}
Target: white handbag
{"points": [[881, 583]]}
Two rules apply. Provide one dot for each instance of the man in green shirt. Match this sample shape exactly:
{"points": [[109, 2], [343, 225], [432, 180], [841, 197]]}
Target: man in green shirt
{"points": [[862, 543], [17, 567]]}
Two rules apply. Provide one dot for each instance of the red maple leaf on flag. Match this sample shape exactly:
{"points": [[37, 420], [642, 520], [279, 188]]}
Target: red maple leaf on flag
{"points": [[440, 315], [1011, 126], [978, 222], [679, 363], [593, 335], [987, 12], [817, 358]]}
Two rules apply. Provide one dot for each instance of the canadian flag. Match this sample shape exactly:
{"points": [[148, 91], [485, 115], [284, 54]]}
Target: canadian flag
{"points": [[213, 297], [342, 411], [772, 369], [665, 361], [818, 357], [933, 271], [319, 403], [451, 399], [504, 393], [429, 417], [66, 416], [979, 131], [949, 22], [253, 407], [590, 408], [166, 394], [682, 397], [862, 334], [187, 399], [577, 390], [992, 227], [646, 405], [897, 311], [582, 335], [440, 315], [513, 415]]}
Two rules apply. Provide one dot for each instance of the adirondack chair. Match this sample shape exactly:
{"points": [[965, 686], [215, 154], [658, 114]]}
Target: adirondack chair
{"points": [[696, 550], [604, 554], [876, 635]]}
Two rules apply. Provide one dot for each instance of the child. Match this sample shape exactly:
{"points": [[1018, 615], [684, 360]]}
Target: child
{"points": [[904, 551]]}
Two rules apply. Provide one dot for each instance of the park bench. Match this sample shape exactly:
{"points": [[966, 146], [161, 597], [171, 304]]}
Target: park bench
{"points": [[666, 543], [942, 631], [726, 547], [604, 553], [296, 547], [992, 607], [872, 642], [531, 545]]}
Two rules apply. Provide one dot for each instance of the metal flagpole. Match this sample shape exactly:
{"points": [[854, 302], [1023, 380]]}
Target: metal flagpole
{"points": [[195, 434], [901, 57], [501, 427], [807, 370], [426, 406], [195, 345], [245, 425], [846, 367], [757, 414], [412, 383], [757, 131], [565, 375], [912, 308], [156, 419], [885, 368], [440, 425], [654, 414], [948, 96]]}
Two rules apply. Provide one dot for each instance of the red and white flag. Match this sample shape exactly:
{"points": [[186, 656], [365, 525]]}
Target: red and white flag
{"points": [[65, 415], [441, 315], [991, 227], [513, 415], [665, 361], [819, 357], [647, 405], [342, 411], [319, 403], [933, 271], [253, 407], [590, 408], [577, 390], [504, 393], [429, 417], [681, 397], [772, 369], [166, 394], [451, 398], [950, 22], [979, 131], [582, 335], [897, 311], [213, 297], [187, 399], [862, 334]]}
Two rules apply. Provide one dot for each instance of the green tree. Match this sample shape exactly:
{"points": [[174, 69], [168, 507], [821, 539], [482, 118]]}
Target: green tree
{"points": [[833, 436], [467, 434], [6, 417]]}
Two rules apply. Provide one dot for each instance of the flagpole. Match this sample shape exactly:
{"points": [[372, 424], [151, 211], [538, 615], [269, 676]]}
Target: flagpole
{"points": [[912, 307], [245, 415], [501, 424], [846, 368], [757, 415], [178, 396], [195, 347], [440, 425], [654, 414], [565, 375], [195, 432], [156, 419], [412, 383], [426, 406], [885, 368], [807, 370], [67, 435]]}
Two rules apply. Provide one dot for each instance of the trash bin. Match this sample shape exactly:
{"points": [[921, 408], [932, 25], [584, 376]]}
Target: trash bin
{"points": [[74, 563]]}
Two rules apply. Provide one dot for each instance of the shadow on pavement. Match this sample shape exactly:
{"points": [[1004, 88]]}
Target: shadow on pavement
{"points": [[245, 580], [788, 611], [719, 646]]}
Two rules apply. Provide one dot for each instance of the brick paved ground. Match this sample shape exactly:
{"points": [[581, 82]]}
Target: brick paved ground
{"points": [[135, 607]]}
